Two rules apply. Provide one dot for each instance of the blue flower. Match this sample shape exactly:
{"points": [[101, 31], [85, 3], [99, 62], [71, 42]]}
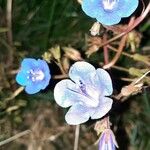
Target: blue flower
{"points": [[107, 140], [34, 75], [109, 12], [85, 93]]}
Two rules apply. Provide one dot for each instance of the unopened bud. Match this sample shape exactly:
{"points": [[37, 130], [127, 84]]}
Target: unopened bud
{"points": [[95, 29], [65, 63], [107, 140], [92, 49], [47, 56], [134, 39], [55, 51], [72, 53], [131, 89]]}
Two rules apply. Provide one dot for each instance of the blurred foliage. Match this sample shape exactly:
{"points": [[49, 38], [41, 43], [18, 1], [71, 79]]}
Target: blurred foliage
{"points": [[58, 31]]}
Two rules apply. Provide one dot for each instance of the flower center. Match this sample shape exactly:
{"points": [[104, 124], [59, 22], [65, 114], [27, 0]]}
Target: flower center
{"points": [[91, 93], [36, 75], [109, 4]]}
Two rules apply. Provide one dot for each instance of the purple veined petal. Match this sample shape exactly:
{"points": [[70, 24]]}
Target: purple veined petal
{"points": [[103, 108], [127, 7], [91, 7], [93, 95], [108, 18], [104, 81], [63, 94], [77, 114], [22, 78], [67, 93], [80, 71]]}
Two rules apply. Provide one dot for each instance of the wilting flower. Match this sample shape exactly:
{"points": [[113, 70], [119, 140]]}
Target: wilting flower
{"points": [[109, 12], [86, 93], [107, 140], [34, 75]]}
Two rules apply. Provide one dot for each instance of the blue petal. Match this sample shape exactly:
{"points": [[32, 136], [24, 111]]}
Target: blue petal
{"points": [[42, 65], [21, 78], [77, 114], [108, 18], [80, 71], [103, 108], [91, 7], [104, 81], [33, 88], [94, 9], [42, 84], [127, 7], [29, 63]]}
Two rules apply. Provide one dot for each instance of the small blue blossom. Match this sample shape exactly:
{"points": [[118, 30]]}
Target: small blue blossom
{"points": [[34, 75], [107, 140], [109, 12], [86, 93]]}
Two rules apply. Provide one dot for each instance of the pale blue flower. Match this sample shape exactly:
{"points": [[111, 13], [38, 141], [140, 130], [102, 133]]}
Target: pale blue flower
{"points": [[34, 75], [107, 140], [109, 12], [86, 93]]}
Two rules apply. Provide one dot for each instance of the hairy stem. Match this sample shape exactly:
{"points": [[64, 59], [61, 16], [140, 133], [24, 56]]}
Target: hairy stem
{"points": [[9, 33], [76, 141]]}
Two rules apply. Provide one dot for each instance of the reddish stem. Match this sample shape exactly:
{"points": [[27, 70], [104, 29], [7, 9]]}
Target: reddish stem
{"points": [[120, 49], [106, 54], [136, 23]]}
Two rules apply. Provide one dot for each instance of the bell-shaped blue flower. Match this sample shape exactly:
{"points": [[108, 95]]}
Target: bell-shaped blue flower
{"points": [[34, 75], [109, 12], [86, 93], [107, 140]]}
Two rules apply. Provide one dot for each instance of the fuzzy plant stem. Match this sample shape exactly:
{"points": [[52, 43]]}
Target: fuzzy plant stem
{"points": [[76, 141]]}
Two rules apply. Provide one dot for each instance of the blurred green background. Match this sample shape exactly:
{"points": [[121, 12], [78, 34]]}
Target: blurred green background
{"points": [[38, 26]]}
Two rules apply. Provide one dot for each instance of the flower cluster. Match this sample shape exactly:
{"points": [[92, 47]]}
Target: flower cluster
{"points": [[86, 93], [34, 75], [109, 12]]}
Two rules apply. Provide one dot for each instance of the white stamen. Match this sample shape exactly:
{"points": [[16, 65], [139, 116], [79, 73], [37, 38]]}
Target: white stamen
{"points": [[109, 4], [36, 75]]}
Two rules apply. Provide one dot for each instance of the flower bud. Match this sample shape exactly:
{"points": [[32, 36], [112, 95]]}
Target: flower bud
{"points": [[55, 51], [65, 64], [72, 53], [95, 29], [107, 140]]}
